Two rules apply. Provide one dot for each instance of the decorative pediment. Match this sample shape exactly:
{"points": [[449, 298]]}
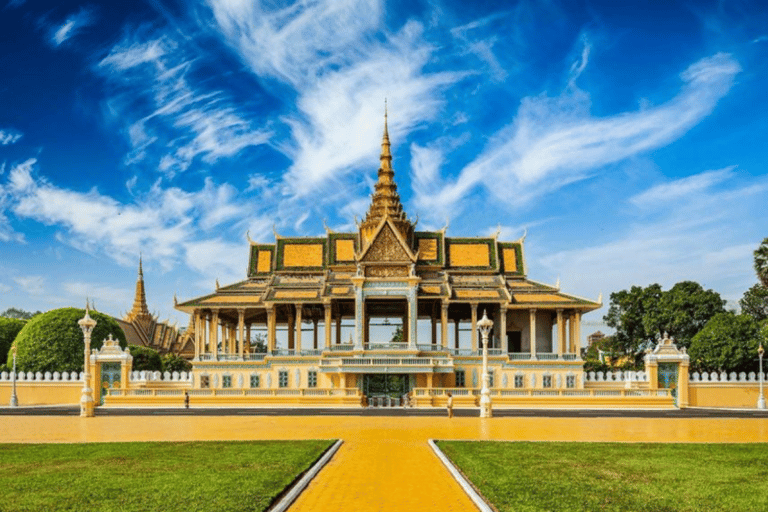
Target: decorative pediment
{"points": [[387, 246]]}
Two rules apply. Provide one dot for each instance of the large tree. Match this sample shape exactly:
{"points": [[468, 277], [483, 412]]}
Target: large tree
{"points": [[683, 311], [625, 314], [761, 262], [755, 302], [18, 313], [728, 343], [53, 341]]}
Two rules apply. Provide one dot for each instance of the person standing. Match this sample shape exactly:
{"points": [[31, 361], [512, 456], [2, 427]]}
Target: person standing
{"points": [[450, 405], [186, 399]]}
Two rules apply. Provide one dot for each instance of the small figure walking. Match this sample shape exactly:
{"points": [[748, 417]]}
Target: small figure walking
{"points": [[450, 405], [186, 399]]}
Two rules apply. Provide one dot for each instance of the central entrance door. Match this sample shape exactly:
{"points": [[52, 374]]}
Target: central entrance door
{"points": [[385, 390]]}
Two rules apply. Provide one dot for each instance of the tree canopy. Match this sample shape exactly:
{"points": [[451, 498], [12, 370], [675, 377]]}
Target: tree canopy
{"points": [[761, 262], [19, 313], [146, 359], [755, 302], [727, 343], [640, 315], [53, 341]]}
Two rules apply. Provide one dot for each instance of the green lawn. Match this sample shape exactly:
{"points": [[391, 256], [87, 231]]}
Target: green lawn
{"points": [[616, 476], [216, 476]]}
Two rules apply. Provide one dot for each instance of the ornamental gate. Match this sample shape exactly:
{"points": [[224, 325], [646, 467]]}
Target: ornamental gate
{"points": [[110, 373], [668, 378]]}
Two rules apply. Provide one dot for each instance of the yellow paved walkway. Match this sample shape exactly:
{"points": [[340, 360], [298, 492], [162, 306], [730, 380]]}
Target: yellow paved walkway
{"points": [[385, 462]]}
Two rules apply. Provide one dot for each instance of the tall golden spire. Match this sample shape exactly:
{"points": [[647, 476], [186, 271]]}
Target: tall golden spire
{"points": [[385, 201], [140, 308]]}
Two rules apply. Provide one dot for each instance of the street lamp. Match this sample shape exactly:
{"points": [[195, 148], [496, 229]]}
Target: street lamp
{"points": [[485, 325], [761, 398], [86, 399], [14, 398]]}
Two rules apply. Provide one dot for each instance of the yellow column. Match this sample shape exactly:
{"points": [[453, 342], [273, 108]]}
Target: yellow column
{"points": [[456, 333], [560, 333], [503, 328], [532, 321], [271, 328], [682, 384], [444, 324], [327, 326], [430, 380], [247, 341], [197, 334], [241, 331], [474, 326], [215, 337], [291, 327], [298, 327], [577, 333], [652, 370]]}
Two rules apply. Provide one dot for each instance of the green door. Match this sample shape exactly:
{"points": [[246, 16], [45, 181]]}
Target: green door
{"points": [[110, 373], [385, 386], [668, 378]]}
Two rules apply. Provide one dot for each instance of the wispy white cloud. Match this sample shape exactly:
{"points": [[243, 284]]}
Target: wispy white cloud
{"points": [[102, 294], [481, 47], [33, 285], [184, 121], [697, 236], [329, 53], [71, 26], [168, 225], [8, 136], [4, 288], [660, 195], [555, 141]]}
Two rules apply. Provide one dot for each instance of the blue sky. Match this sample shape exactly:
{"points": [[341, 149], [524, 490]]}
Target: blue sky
{"points": [[626, 138]]}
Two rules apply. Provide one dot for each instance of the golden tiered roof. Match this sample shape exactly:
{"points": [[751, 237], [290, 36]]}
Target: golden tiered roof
{"points": [[385, 201]]}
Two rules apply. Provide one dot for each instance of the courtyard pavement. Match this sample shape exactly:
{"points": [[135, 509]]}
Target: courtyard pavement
{"points": [[385, 462]]}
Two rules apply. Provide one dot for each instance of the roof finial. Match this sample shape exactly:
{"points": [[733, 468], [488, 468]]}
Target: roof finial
{"points": [[141, 271]]}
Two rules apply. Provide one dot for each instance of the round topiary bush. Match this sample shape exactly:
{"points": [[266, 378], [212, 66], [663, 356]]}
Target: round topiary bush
{"points": [[9, 329], [53, 341]]}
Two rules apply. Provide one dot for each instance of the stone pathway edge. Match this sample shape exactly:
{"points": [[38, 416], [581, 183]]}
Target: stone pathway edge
{"points": [[465, 485], [291, 496]]}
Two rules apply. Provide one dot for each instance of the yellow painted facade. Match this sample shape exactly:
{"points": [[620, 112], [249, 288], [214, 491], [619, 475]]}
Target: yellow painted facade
{"points": [[345, 250], [264, 262]]}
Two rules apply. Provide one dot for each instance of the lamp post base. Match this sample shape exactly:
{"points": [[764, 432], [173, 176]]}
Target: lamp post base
{"points": [[486, 411], [86, 404], [761, 402], [14, 401]]}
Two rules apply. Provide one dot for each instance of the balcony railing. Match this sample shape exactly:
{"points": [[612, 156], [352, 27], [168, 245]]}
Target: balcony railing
{"points": [[343, 347], [386, 346], [519, 356]]}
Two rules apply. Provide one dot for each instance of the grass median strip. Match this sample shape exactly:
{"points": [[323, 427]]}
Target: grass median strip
{"points": [[615, 476], [194, 476]]}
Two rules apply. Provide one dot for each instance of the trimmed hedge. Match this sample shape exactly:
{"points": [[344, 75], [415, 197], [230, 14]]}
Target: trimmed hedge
{"points": [[53, 341]]}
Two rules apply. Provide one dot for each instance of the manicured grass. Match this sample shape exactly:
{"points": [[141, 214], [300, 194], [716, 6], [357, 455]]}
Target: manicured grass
{"points": [[199, 476], [616, 476]]}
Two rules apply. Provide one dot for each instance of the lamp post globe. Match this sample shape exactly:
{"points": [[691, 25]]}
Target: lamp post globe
{"points": [[14, 398], [761, 397], [86, 399], [485, 325]]}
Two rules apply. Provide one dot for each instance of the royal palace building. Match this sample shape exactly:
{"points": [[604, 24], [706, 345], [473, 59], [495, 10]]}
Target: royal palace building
{"points": [[326, 308]]}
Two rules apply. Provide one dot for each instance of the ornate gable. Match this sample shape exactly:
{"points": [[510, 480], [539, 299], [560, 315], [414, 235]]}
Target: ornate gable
{"points": [[387, 246]]}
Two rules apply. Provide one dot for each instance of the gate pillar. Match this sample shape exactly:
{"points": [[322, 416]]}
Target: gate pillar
{"points": [[668, 365], [109, 355]]}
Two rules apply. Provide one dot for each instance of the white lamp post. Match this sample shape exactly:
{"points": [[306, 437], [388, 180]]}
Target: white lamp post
{"points": [[14, 398], [86, 400], [485, 325], [760, 397]]}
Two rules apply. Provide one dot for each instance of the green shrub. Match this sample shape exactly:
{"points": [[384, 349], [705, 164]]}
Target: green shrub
{"points": [[174, 363], [145, 359], [53, 341], [9, 329]]}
